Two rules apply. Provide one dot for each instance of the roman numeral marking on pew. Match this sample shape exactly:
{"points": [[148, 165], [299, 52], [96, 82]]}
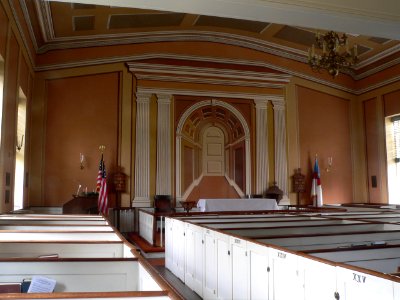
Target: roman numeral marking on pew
{"points": [[359, 278], [281, 255]]}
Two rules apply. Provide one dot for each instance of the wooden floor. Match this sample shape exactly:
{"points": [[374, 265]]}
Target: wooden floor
{"points": [[213, 187], [159, 265], [176, 284]]}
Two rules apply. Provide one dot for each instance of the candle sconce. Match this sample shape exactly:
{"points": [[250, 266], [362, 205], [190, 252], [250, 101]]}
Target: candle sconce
{"points": [[82, 160], [329, 167], [20, 143]]}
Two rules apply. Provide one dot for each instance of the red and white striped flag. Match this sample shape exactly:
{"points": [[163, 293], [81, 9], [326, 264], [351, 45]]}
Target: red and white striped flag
{"points": [[316, 188], [101, 187]]}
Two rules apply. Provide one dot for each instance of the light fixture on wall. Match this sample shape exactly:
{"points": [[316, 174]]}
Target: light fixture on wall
{"points": [[329, 167], [20, 143], [82, 160], [336, 56]]}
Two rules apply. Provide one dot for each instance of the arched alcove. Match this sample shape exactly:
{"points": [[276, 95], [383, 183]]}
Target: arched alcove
{"points": [[191, 152]]}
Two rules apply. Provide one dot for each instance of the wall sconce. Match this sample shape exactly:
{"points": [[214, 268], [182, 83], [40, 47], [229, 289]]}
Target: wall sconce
{"points": [[20, 143], [82, 160], [330, 160]]}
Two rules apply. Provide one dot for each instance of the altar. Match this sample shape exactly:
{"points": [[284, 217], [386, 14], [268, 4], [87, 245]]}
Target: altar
{"points": [[247, 204]]}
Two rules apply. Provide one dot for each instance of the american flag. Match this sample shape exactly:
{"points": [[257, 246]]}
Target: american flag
{"points": [[101, 187]]}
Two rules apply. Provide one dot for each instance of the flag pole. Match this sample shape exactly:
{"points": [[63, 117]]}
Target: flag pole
{"points": [[102, 148]]}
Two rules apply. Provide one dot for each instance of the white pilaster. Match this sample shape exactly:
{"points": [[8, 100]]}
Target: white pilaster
{"points": [[163, 178], [261, 145], [281, 172], [142, 151]]}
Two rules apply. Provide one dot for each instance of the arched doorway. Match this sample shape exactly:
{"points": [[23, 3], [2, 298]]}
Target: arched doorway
{"points": [[209, 136]]}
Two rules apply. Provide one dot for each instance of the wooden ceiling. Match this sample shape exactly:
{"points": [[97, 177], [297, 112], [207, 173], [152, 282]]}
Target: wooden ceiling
{"points": [[56, 25]]}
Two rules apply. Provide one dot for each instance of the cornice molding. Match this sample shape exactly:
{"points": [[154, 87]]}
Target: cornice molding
{"points": [[131, 59], [21, 32], [205, 93], [213, 81]]}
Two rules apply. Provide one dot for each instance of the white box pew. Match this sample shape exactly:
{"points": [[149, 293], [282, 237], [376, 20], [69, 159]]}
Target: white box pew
{"points": [[147, 295], [321, 241], [55, 227], [254, 220], [51, 216], [210, 265], [65, 249], [77, 275], [355, 283], [318, 278], [175, 249], [242, 219], [281, 231], [238, 268], [382, 259], [194, 253], [52, 222], [278, 224], [59, 236]]}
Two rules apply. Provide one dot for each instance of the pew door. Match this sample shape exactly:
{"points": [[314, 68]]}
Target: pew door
{"points": [[284, 278], [240, 269], [210, 265], [179, 249], [319, 279], [396, 290], [358, 285], [194, 258], [259, 271], [224, 266], [169, 244]]}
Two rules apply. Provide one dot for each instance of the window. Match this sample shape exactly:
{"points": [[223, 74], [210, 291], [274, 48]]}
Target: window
{"points": [[396, 138], [20, 153], [1, 91], [393, 158]]}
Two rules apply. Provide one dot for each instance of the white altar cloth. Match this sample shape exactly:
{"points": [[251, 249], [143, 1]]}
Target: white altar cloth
{"points": [[237, 204]]}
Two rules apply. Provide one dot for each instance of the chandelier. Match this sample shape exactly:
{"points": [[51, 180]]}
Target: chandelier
{"points": [[335, 55]]}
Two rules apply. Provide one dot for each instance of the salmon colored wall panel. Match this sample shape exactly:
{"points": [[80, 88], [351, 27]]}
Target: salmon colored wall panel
{"points": [[3, 31], [82, 113], [188, 165], [239, 166], [372, 140], [392, 103], [324, 129]]}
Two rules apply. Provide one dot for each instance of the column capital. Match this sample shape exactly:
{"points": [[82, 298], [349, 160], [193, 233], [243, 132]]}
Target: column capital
{"points": [[261, 102], [142, 97], [164, 98], [278, 105]]}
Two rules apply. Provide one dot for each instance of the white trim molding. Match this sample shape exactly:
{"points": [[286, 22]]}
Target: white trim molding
{"points": [[163, 178], [262, 163], [142, 151], [281, 163]]}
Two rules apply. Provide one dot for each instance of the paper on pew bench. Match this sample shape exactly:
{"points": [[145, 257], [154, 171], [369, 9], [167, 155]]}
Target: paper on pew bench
{"points": [[42, 284]]}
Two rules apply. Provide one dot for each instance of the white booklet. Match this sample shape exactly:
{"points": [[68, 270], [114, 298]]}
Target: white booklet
{"points": [[41, 284]]}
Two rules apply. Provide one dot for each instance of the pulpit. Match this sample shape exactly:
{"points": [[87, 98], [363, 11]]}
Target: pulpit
{"points": [[85, 204]]}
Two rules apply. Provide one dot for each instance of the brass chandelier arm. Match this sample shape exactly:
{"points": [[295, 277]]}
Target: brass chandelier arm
{"points": [[335, 55]]}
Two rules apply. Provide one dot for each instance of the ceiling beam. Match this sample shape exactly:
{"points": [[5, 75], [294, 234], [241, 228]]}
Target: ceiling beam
{"points": [[367, 17]]}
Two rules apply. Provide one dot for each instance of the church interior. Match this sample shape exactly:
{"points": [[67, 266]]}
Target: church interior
{"points": [[203, 100]]}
